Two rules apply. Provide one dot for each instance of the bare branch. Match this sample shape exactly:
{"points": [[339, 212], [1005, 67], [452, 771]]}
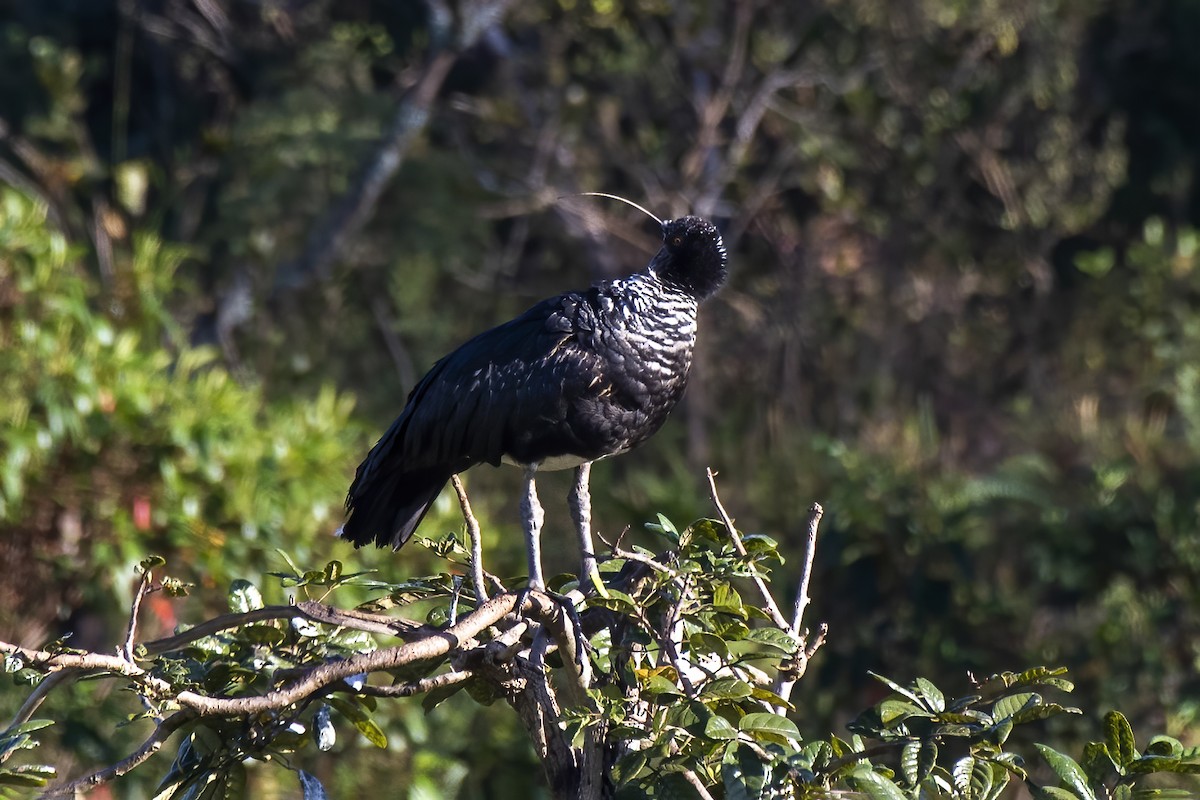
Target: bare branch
{"points": [[432, 646], [316, 612], [435, 644], [810, 550], [653, 564], [697, 784], [814, 644], [152, 745], [420, 686], [772, 608], [464, 503], [131, 628]]}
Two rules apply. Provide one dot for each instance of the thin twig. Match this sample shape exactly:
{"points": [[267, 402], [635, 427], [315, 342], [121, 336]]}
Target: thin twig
{"points": [[310, 610], [131, 628], [814, 644], [473, 533], [162, 732], [419, 686], [629, 555], [772, 609], [810, 550], [696, 784]]}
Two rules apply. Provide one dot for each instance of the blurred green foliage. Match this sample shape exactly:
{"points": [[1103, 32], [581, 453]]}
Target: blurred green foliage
{"points": [[962, 313]]}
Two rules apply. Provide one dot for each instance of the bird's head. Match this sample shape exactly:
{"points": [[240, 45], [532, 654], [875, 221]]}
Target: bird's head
{"points": [[692, 257]]}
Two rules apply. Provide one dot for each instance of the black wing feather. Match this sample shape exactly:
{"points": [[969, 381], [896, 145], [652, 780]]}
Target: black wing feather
{"points": [[491, 396]]}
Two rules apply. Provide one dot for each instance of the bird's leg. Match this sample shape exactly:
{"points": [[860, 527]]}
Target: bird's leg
{"points": [[532, 516], [581, 513]]}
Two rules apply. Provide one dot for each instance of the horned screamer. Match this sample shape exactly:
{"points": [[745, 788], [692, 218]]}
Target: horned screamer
{"points": [[576, 378]]}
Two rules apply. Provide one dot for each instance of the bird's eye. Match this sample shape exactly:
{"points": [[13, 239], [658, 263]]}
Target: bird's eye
{"points": [[676, 241]]}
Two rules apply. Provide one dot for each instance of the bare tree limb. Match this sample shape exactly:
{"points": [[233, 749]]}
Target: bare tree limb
{"points": [[420, 686], [434, 645], [316, 612], [815, 513], [162, 731], [697, 784]]}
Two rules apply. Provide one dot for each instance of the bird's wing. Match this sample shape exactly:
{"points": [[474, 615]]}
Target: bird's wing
{"points": [[509, 379], [476, 404]]}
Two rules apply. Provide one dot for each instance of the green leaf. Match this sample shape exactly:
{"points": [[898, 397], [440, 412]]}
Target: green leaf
{"points": [[441, 694], [895, 687], [981, 779], [28, 775], [262, 634], [629, 766], [766, 722], [909, 763], [727, 599], [1052, 793], [1000, 779], [1010, 705], [727, 689], [961, 773], [150, 562], [934, 699], [892, 711], [1097, 763], [743, 773], [999, 732], [781, 640], [1164, 746], [874, 785], [244, 596], [709, 643], [666, 528], [719, 728], [658, 684], [1011, 762], [1118, 738], [1069, 772], [615, 601], [1148, 764], [1044, 711], [373, 733], [38, 724], [759, 693]]}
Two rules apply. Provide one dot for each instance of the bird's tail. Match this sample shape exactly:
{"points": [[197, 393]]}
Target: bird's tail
{"points": [[387, 512]]}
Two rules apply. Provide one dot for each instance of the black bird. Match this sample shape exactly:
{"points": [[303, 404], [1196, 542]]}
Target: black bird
{"points": [[576, 378]]}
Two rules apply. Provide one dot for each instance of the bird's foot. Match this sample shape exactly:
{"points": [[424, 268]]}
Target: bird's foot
{"points": [[568, 604]]}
